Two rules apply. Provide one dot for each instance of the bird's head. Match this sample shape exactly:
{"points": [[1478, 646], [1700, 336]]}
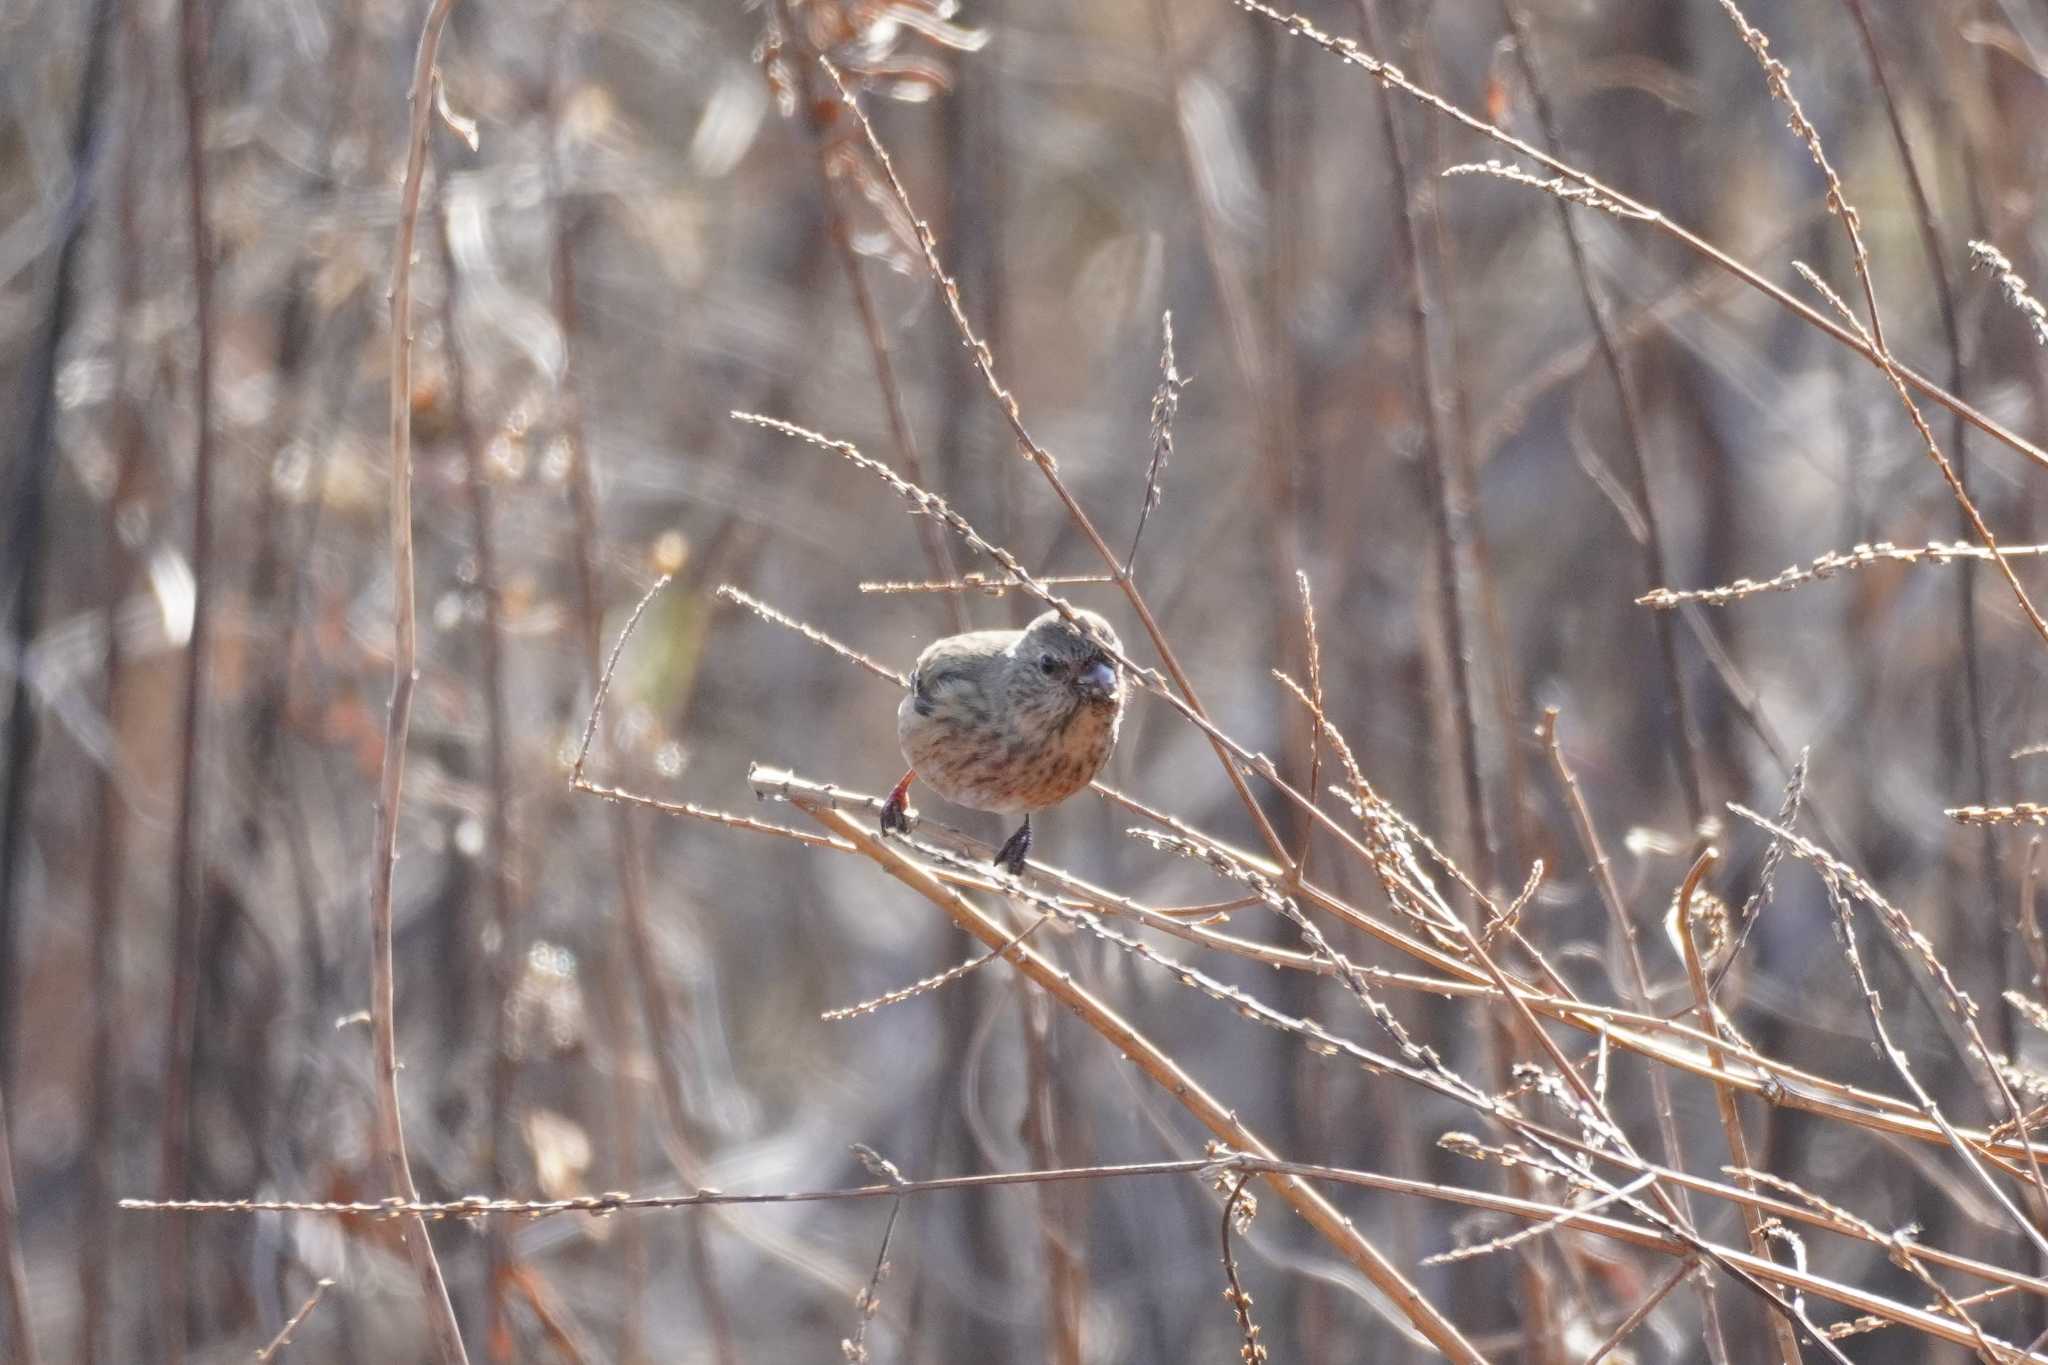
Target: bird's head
{"points": [[1075, 657]]}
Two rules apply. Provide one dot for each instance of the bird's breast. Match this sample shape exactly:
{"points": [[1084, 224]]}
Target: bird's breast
{"points": [[1007, 759]]}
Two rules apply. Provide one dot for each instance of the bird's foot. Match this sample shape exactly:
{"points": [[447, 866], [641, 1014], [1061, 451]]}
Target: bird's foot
{"points": [[1010, 857], [896, 810]]}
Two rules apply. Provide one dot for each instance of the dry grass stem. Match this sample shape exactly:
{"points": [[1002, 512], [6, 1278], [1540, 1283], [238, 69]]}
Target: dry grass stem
{"points": [[2019, 813], [1988, 257], [930, 983], [986, 584], [1834, 562], [1570, 191], [1165, 407]]}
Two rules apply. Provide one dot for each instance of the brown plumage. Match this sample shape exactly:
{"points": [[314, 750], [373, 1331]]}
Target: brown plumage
{"points": [[1010, 720]]}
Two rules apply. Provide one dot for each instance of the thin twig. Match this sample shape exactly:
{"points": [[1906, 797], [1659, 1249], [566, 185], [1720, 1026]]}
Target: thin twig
{"points": [[1238, 1210], [927, 985], [1312, 650], [1766, 884], [767, 613], [1780, 81], [293, 1323], [390, 1131], [855, 1348]]}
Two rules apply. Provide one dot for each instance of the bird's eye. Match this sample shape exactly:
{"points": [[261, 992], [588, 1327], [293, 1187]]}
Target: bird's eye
{"points": [[1048, 664]]}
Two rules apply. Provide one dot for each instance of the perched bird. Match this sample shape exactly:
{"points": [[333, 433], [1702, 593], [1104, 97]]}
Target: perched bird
{"points": [[1010, 720]]}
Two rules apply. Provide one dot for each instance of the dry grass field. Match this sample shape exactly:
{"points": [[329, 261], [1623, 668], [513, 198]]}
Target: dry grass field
{"points": [[479, 474]]}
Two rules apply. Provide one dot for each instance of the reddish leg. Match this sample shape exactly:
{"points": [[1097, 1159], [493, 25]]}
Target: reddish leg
{"points": [[895, 817]]}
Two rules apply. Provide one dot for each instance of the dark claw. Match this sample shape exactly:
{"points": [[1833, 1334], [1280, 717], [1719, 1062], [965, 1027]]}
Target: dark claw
{"points": [[1010, 857], [896, 814]]}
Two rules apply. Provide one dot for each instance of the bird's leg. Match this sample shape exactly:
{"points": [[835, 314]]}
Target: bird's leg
{"points": [[895, 819], [1015, 849]]}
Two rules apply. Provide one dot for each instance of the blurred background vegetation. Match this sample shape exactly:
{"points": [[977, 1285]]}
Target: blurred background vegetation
{"points": [[667, 217]]}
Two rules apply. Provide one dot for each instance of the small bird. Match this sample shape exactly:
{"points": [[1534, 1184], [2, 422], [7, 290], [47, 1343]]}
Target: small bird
{"points": [[1010, 720]]}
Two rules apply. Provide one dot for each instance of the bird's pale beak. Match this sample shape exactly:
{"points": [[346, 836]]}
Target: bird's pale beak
{"points": [[1097, 681]]}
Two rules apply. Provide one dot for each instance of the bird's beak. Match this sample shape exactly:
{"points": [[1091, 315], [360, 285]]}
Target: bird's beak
{"points": [[1097, 681]]}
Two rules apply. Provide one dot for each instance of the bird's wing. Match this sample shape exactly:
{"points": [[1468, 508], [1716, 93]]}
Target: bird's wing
{"points": [[955, 662]]}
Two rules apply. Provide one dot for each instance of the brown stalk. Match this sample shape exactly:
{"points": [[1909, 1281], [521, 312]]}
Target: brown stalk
{"points": [[1724, 1098], [109, 856], [499, 1138], [390, 1130], [176, 1131]]}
